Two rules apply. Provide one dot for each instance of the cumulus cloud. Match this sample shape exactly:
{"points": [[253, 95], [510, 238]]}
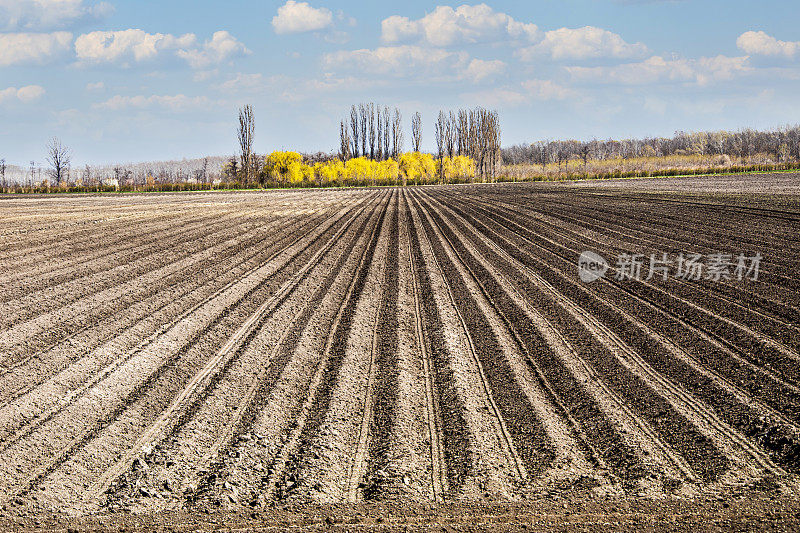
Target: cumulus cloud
{"points": [[135, 46], [220, 48], [656, 69], [127, 45], [760, 43], [27, 94], [178, 102], [446, 26], [582, 43], [41, 15], [299, 17], [396, 60], [480, 70], [23, 48]]}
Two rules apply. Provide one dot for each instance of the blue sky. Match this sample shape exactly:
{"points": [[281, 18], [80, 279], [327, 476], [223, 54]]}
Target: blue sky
{"points": [[121, 81]]}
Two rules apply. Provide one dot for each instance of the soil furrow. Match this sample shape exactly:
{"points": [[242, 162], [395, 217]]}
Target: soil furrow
{"points": [[457, 443], [151, 300], [767, 304], [487, 353], [527, 432], [49, 401], [135, 384], [287, 469], [433, 416], [760, 349], [190, 398], [673, 427], [380, 479], [37, 311]]}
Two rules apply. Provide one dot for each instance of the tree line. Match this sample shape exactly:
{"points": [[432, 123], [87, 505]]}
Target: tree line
{"points": [[467, 149], [780, 145], [376, 133], [373, 132], [473, 133]]}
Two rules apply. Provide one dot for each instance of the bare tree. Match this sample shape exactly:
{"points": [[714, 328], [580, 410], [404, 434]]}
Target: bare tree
{"points": [[58, 156], [371, 129], [205, 170], [379, 154], [355, 130], [416, 131], [451, 127], [362, 113], [397, 134], [344, 142], [232, 169], [440, 142], [474, 133], [585, 152], [87, 176], [3, 173], [386, 133], [463, 132], [245, 135], [492, 134]]}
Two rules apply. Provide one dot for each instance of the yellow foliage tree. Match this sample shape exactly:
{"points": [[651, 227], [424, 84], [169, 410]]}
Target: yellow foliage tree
{"points": [[418, 167], [288, 167], [458, 167], [389, 171]]}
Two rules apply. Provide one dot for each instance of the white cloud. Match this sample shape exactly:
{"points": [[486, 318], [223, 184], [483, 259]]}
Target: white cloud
{"points": [[41, 15], [27, 94], [479, 70], [396, 60], [134, 45], [220, 48], [582, 43], [97, 86], [21, 48], [298, 17], [127, 45], [760, 43], [178, 102], [656, 69], [30, 93], [446, 26]]}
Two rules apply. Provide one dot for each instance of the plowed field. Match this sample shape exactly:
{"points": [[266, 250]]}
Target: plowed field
{"points": [[423, 346]]}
